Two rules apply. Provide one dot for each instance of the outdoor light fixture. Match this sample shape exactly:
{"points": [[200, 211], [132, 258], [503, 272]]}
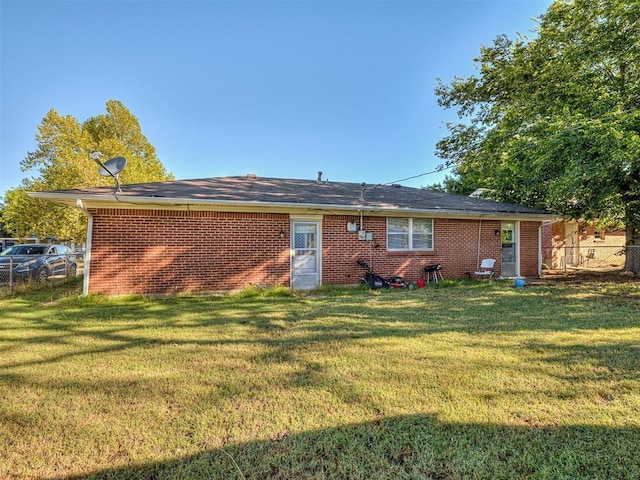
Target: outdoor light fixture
{"points": [[281, 233], [496, 232]]}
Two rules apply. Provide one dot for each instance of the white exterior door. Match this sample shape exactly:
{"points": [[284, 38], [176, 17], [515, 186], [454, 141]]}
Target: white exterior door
{"points": [[571, 244], [305, 255], [509, 249]]}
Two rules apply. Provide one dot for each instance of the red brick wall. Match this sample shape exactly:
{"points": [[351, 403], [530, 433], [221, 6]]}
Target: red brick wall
{"points": [[553, 244], [455, 247], [547, 241], [144, 251], [141, 251], [529, 249]]}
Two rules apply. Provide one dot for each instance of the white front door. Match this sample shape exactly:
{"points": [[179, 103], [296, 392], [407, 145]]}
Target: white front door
{"points": [[509, 250], [305, 255], [571, 244]]}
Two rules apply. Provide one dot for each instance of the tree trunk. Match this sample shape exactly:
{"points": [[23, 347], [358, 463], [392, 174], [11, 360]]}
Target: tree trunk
{"points": [[632, 258], [631, 199]]}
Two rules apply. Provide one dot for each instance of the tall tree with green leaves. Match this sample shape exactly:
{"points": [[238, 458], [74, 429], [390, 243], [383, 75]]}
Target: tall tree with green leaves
{"points": [[62, 161], [554, 122], [3, 232]]}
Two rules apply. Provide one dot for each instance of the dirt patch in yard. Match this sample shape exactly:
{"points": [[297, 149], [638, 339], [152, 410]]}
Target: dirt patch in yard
{"points": [[589, 276], [583, 277]]}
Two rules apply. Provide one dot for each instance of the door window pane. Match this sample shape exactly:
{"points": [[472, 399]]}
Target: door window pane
{"points": [[304, 236], [507, 232]]}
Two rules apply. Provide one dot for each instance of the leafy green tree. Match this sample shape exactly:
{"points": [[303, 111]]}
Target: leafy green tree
{"points": [[3, 231], [554, 122], [62, 161]]}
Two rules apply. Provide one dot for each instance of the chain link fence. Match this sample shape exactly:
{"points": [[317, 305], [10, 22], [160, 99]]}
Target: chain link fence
{"points": [[593, 258], [633, 259], [17, 271]]}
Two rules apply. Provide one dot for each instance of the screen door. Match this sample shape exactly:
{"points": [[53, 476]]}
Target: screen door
{"points": [[305, 255]]}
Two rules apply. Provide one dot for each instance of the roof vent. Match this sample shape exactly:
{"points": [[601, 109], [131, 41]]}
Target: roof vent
{"points": [[480, 193], [251, 176], [319, 179]]}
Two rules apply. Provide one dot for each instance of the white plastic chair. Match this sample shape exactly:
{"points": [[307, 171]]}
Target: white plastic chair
{"points": [[486, 268]]}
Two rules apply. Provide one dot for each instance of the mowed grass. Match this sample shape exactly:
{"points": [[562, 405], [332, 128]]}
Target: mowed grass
{"points": [[476, 381]]}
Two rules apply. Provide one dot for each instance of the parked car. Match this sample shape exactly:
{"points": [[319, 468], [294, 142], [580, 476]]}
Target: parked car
{"points": [[37, 261]]}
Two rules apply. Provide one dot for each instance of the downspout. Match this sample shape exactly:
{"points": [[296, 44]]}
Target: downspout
{"points": [[87, 253], [540, 249], [479, 240]]}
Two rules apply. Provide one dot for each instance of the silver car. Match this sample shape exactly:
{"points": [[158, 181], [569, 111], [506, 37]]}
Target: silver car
{"points": [[37, 261]]}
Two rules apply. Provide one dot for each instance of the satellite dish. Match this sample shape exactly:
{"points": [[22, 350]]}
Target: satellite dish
{"points": [[112, 167]]}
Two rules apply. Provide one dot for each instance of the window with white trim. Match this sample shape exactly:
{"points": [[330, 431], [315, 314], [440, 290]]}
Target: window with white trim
{"points": [[409, 234]]}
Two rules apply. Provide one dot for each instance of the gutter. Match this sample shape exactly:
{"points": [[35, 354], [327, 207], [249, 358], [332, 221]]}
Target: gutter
{"points": [[113, 201], [87, 253]]}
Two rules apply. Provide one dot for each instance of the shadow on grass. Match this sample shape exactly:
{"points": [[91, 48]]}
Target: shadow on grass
{"points": [[121, 323], [285, 329], [409, 447], [619, 359]]}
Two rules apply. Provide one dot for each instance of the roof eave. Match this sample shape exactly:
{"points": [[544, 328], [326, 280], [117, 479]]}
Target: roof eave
{"points": [[181, 203]]}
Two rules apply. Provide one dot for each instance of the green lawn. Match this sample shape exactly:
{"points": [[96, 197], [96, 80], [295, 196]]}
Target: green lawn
{"points": [[479, 380]]}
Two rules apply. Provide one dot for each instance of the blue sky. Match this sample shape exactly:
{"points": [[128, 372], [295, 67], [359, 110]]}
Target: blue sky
{"points": [[275, 88]]}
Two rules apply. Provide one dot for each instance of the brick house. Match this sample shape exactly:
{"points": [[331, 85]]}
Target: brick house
{"points": [[228, 232], [572, 243]]}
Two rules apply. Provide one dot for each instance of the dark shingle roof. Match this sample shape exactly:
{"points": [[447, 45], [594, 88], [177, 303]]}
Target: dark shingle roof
{"points": [[257, 190]]}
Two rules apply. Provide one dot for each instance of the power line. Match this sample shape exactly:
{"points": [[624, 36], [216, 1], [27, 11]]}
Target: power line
{"points": [[579, 125], [437, 170]]}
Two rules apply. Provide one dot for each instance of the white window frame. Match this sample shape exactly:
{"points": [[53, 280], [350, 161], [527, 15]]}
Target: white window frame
{"points": [[410, 233]]}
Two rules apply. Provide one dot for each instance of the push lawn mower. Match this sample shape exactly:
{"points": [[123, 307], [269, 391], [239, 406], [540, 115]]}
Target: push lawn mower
{"points": [[374, 280]]}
